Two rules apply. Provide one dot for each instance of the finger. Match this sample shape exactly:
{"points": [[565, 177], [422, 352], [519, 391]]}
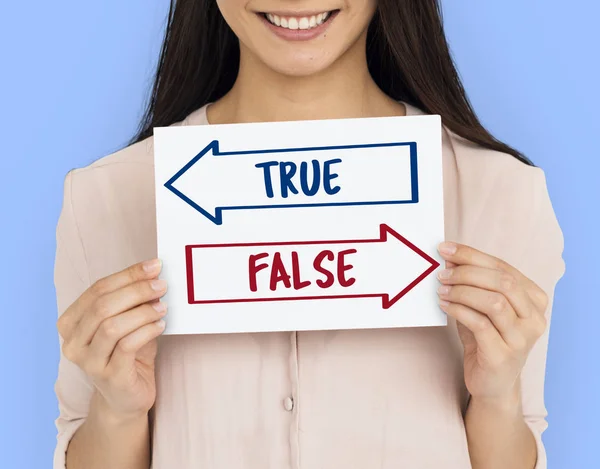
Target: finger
{"points": [[492, 304], [487, 336], [492, 280], [124, 353], [134, 273], [117, 302], [462, 254], [113, 329], [67, 322]]}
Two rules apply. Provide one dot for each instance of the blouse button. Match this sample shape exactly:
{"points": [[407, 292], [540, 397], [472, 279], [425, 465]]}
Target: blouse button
{"points": [[288, 404]]}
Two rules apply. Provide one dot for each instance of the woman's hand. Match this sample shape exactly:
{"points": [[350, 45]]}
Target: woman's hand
{"points": [[110, 332], [499, 314]]}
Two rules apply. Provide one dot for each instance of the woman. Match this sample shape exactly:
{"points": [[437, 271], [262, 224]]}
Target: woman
{"points": [[466, 395]]}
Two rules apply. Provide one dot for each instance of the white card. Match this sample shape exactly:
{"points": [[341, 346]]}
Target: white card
{"points": [[308, 225]]}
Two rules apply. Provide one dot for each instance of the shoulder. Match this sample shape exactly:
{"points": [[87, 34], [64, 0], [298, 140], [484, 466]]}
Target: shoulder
{"points": [[506, 207], [107, 215], [475, 165], [500, 177], [139, 153], [108, 212], [130, 163], [500, 205], [119, 178], [492, 165], [128, 173]]}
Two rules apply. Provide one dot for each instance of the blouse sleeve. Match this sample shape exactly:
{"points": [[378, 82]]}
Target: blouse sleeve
{"points": [[72, 387], [542, 263]]}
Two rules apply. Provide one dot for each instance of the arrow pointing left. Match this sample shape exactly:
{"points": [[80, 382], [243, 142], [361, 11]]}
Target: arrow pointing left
{"points": [[372, 174]]}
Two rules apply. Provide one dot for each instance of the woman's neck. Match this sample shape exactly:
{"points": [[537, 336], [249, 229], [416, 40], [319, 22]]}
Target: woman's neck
{"points": [[343, 90]]}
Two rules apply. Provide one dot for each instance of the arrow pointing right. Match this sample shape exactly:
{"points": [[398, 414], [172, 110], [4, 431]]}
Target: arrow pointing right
{"points": [[387, 267]]}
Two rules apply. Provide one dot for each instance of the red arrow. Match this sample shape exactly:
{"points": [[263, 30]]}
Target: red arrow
{"points": [[386, 234]]}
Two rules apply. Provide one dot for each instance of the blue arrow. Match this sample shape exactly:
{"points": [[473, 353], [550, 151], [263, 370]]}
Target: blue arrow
{"points": [[213, 147]]}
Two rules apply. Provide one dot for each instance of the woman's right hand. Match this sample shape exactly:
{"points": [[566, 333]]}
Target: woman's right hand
{"points": [[110, 332]]}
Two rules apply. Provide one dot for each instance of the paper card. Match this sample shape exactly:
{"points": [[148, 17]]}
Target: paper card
{"points": [[307, 225]]}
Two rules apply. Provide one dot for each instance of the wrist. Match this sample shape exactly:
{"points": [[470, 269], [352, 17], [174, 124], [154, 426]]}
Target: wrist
{"points": [[109, 417], [504, 403]]}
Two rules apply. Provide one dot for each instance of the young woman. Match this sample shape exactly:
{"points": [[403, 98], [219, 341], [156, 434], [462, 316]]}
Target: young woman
{"points": [[466, 395]]}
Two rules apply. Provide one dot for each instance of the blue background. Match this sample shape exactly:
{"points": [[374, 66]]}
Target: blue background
{"points": [[75, 75]]}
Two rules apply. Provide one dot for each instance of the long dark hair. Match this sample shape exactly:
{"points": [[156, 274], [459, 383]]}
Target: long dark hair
{"points": [[407, 53]]}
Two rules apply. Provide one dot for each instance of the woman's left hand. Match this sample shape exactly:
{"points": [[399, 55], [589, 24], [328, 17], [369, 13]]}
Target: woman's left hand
{"points": [[499, 314]]}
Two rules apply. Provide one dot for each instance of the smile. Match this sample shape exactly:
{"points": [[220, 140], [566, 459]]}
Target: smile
{"points": [[302, 22], [303, 26]]}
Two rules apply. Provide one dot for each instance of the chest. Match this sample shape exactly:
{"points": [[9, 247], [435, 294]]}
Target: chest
{"points": [[323, 360]]}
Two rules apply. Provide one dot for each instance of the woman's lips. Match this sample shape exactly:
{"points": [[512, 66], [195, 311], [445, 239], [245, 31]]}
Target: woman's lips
{"points": [[298, 28]]}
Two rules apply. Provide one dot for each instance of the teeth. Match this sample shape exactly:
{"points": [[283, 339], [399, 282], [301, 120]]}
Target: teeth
{"points": [[305, 22]]}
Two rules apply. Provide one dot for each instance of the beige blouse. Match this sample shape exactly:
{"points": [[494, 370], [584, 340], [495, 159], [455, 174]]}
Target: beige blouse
{"points": [[325, 399]]}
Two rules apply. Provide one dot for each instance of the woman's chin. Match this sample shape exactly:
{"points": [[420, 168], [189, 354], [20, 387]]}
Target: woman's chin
{"points": [[303, 66]]}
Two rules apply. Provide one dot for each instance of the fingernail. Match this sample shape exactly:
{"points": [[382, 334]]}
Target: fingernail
{"points": [[444, 303], [151, 265], [447, 248], [158, 284], [161, 323], [443, 290], [160, 307], [445, 274]]}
